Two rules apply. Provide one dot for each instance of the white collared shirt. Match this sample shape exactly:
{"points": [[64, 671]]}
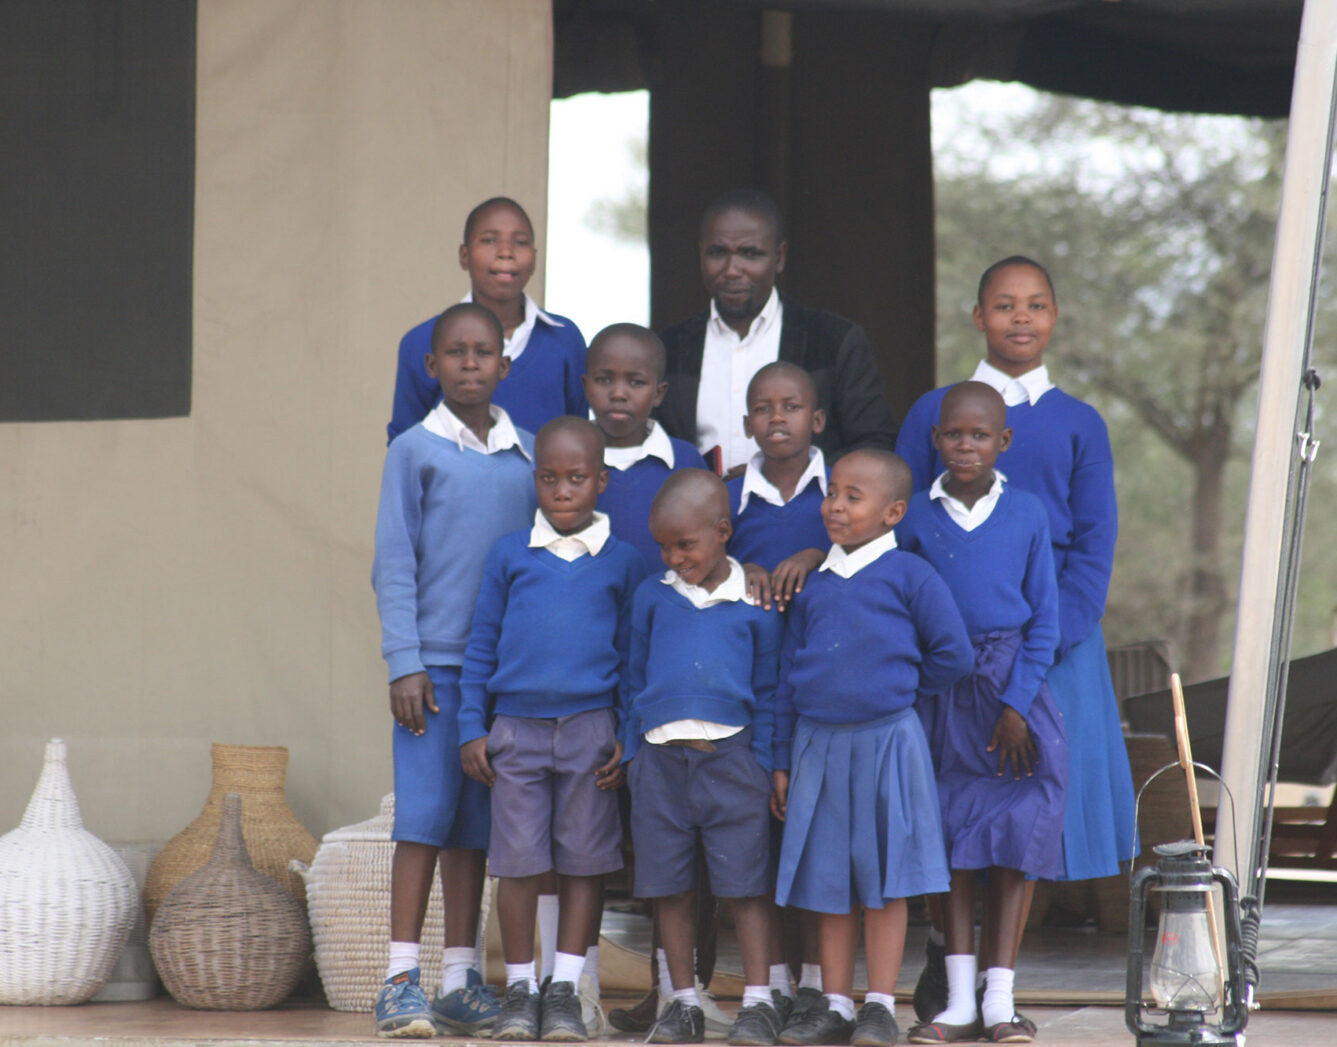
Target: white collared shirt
{"points": [[756, 485], [847, 565], [1028, 387], [731, 589], [727, 366], [655, 445], [513, 346], [585, 542], [442, 421], [968, 518]]}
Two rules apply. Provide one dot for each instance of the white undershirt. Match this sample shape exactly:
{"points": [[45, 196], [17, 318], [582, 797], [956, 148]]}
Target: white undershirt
{"points": [[727, 366]]}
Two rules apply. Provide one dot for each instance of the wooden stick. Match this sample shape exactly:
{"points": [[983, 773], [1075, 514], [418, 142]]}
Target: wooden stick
{"points": [[1195, 812]]}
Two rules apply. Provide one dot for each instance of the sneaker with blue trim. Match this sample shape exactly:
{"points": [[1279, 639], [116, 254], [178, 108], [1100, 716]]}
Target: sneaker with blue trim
{"points": [[402, 1010], [467, 1011]]}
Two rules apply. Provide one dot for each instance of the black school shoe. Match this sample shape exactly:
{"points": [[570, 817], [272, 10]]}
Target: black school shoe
{"points": [[519, 1017], [757, 1025], [562, 1020], [930, 997], [803, 999], [680, 1023], [819, 1024], [874, 1027]]}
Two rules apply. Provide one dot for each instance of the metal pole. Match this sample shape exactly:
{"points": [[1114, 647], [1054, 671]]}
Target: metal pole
{"points": [[1257, 658]]}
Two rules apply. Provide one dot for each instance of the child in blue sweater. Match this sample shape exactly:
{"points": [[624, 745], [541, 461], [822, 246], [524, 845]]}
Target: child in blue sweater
{"points": [[546, 351], [875, 627], [427, 570], [702, 677], [997, 739], [624, 382], [540, 720]]}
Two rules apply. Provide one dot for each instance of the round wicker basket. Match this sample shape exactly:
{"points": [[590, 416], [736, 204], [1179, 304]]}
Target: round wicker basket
{"points": [[348, 901], [273, 834], [66, 899], [229, 938]]}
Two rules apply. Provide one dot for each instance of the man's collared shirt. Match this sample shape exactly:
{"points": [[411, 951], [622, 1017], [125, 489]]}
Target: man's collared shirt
{"points": [[727, 366]]}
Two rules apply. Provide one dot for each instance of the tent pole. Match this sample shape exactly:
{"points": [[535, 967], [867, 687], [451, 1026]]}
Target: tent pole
{"points": [[1257, 654]]}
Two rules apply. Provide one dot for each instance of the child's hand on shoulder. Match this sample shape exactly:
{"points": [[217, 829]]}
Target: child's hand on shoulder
{"points": [[611, 775], [790, 573], [408, 697], [473, 757], [1012, 741], [779, 793], [758, 581]]}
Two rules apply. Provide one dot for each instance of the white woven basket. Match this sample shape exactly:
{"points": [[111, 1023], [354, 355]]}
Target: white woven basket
{"points": [[348, 902], [67, 901]]}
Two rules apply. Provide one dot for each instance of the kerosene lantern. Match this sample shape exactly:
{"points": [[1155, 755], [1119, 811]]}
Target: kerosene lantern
{"points": [[1188, 980]]}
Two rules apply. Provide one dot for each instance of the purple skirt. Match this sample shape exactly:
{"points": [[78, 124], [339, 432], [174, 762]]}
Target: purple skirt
{"points": [[987, 819]]}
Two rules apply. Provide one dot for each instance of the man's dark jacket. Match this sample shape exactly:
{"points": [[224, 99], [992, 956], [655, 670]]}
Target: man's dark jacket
{"points": [[830, 348]]}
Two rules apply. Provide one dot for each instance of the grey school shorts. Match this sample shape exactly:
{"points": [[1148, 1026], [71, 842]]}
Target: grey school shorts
{"points": [[680, 796], [547, 813]]}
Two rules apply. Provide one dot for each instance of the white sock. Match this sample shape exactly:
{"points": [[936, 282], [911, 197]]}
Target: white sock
{"points": [[689, 996], [566, 967], [547, 921], [842, 1005], [781, 979], [665, 981], [522, 972], [998, 1005], [456, 964], [937, 937], [591, 968], [755, 994], [403, 957], [810, 977], [885, 998], [960, 990]]}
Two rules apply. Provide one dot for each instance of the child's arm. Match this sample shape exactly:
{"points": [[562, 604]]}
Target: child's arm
{"points": [[1040, 633], [766, 633], [415, 391], [944, 645], [915, 441], [638, 652], [790, 573], [610, 775], [576, 403], [1085, 580], [785, 713], [480, 663]]}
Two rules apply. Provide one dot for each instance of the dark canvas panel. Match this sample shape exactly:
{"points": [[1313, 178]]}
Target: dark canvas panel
{"points": [[97, 143]]}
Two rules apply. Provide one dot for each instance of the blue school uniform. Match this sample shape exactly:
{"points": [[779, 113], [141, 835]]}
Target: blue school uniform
{"points": [[767, 529], [862, 824], [1061, 453], [1001, 573], [632, 487]]}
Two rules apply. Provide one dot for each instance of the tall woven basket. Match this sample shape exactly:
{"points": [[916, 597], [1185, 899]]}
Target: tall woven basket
{"points": [[66, 899], [348, 900], [228, 938], [273, 834]]}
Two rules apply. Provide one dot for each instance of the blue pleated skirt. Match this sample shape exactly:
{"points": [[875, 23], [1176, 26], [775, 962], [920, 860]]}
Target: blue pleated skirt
{"points": [[862, 825], [1098, 826], [987, 819]]}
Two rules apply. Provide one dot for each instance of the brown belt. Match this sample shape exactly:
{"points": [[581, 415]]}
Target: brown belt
{"points": [[699, 744]]}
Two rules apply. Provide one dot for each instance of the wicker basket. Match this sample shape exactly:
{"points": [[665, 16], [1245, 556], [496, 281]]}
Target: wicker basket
{"points": [[348, 901], [273, 834], [66, 900], [228, 938]]}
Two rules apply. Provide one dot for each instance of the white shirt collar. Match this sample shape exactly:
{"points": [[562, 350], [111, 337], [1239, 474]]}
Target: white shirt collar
{"points": [[769, 315], [442, 421], [655, 445], [968, 517], [756, 484], [1028, 387], [732, 589], [515, 344], [589, 539], [847, 565]]}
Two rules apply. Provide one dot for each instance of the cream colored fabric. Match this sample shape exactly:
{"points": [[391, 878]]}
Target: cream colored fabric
{"points": [[172, 583]]}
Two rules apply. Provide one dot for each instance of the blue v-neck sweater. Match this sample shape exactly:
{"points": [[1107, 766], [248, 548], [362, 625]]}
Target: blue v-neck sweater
{"points": [[630, 492], [549, 636], [765, 534], [1001, 575]]}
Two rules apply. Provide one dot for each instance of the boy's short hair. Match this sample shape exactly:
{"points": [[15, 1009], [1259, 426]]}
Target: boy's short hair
{"points": [[978, 392], [900, 480], [467, 309], [582, 428], [753, 202], [636, 332], [1007, 263], [493, 201], [694, 490], [786, 368]]}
